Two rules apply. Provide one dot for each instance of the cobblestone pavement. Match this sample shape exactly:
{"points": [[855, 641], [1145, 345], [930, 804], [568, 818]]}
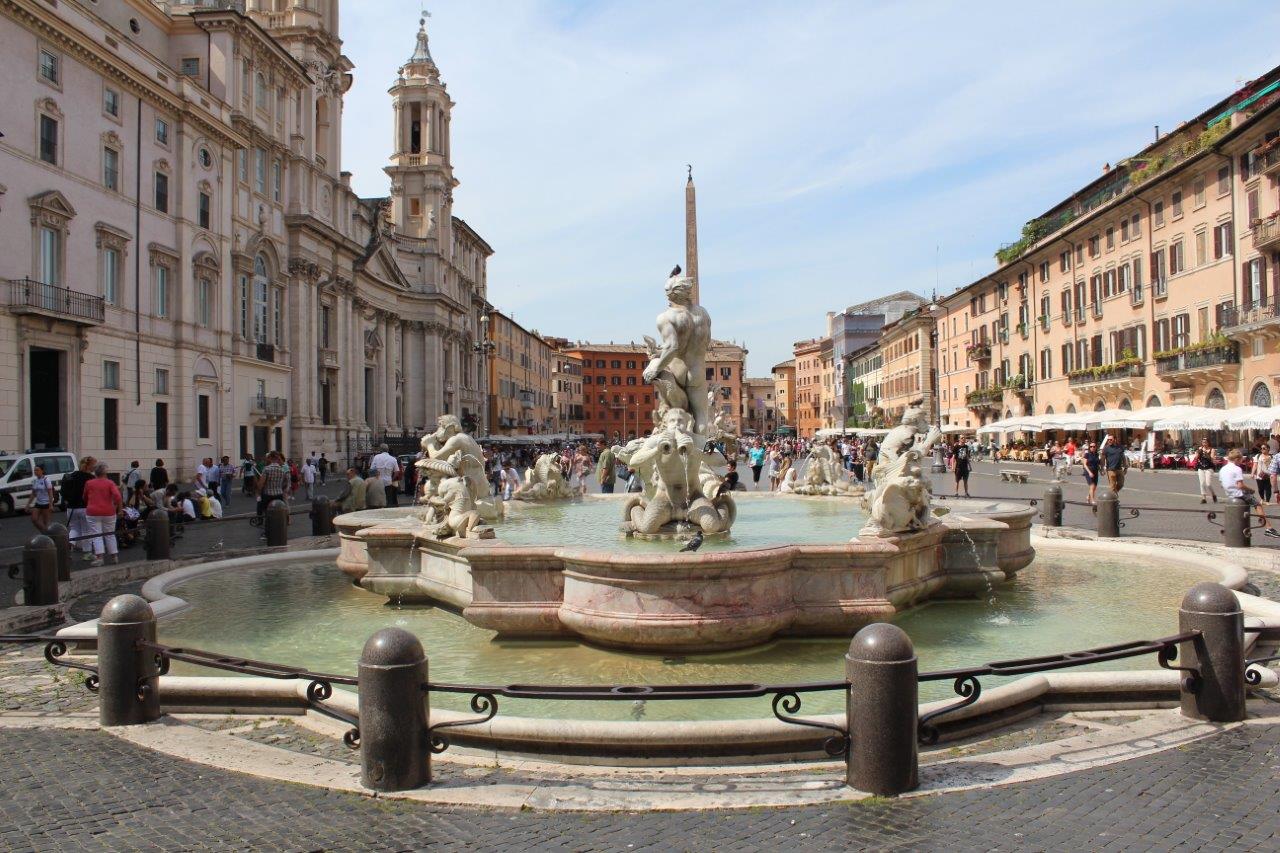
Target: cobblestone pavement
{"points": [[84, 790]]}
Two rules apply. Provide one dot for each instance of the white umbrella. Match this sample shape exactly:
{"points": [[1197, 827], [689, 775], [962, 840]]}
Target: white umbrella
{"points": [[1253, 417], [871, 433], [1191, 418], [949, 429]]}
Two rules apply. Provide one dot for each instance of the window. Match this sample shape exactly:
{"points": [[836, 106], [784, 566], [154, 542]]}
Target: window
{"points": [[190, 67], [49, 139], [415, 207], [1044, 271], [277, 318], [1111, 238], [1079, 254], [204, 302], [111, 375], [260, 170], [275, 180], [111, 102], [1255, 272], [161, 307], [202, 415], [50, 67], [50, 271], [202, 210], [261, 286], [1157, 213], [1202, 248], [1160, 337], [1197, 192], [111, 168], [162, 192], [1177, 261], [206, 159], [110, 423], [111, 276], [1181, 330], [1064, 261], [1158, 273], [1224, 180], [1068, 358], [1046, 363], [242, 164], [244, 307], [1094, 246], [162, 381], [1252, 204], [162, 426], [1136, 225], [1124, 230], [325, 312], [162, 132], [260, 91], [1176, 203], [1222, 240]]}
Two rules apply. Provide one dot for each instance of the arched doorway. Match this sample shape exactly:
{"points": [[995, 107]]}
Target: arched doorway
{"points": [[1215, 399], [1260, 396]]}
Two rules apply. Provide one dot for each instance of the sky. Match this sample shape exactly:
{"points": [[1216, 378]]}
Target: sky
{"points": [[841, 150]]}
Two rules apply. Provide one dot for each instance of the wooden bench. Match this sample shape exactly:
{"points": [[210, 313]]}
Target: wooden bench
{"points": [[1009, 475]]}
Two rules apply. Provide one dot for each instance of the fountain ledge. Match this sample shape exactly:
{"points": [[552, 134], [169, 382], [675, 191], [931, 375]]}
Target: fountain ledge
{"points": [[684, 602]]}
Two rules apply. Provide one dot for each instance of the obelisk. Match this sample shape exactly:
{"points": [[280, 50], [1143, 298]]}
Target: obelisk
{"points": [[691, 235]]}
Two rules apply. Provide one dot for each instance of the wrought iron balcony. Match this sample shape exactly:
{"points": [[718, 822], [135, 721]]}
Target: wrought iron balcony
{"points": [[268, 407], [985, 398], [1269, 162], [1254, 317], [1119, 373], [28, 296], [1266, 233], [981, 351], [1208, 359]]}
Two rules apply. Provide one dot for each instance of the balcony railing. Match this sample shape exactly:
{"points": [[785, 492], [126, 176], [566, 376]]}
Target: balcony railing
{"points": [[28, 296], [1198, 359], [1266, 233], [985, 398], [1268, 162], [268, 407], [1256, 313], [980, 351], [1118, 371]]}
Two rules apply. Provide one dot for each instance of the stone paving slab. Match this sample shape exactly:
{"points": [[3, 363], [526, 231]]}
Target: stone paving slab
{"points": [[79, 790]]}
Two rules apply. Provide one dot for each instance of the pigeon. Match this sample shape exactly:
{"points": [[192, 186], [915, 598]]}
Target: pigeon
{"points": [[675, 272], [693, 544]]}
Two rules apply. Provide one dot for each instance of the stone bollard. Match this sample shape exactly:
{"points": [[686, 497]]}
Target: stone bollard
{"points": [[1051, 512], [276, 523], [1218, 654], [128, 677], [881, 711], [39, 571], [62, 539], [395, 752], [158, 545], [1235, 524], [939, 461], [321, 517], [1108, 510]]}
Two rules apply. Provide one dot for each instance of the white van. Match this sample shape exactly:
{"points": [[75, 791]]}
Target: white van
{"points": [[18, 469]]}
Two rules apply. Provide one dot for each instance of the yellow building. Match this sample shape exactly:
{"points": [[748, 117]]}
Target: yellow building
{"points": [[520, 368]]}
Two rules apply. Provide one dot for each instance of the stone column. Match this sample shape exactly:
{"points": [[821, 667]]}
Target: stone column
{"points": [[389, 367]]}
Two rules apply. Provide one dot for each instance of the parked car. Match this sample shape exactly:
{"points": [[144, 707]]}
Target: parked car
{"points": [[18, 469]]}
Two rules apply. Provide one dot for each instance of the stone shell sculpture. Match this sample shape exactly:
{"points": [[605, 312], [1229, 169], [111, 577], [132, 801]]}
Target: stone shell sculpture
{"points": [[543, 481], [900, 499], [680, 491], [825, 476]]}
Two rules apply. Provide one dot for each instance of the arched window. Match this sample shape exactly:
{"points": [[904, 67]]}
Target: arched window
{"points": [[1126, 405], [1215, 400], [1261, 396], [1048, 410], [261, 299], [1099, 406], [1153, 402], [1071, 408]]}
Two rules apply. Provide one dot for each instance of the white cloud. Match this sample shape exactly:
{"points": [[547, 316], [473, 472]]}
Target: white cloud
{"points": [[834, 144]]}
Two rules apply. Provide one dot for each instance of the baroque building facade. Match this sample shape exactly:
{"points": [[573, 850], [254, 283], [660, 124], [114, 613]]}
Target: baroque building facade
{"points": [[191, 273]]}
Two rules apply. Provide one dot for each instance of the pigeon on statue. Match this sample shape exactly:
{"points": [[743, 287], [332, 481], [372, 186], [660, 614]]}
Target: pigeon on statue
{"points": [[693, 544], [675, 272]]}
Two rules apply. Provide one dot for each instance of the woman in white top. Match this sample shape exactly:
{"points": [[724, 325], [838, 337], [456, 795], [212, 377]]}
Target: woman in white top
{"points": [[41, 501]]}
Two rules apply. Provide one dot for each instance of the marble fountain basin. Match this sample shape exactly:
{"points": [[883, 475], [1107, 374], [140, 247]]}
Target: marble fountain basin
{"points": [[627, 594]]}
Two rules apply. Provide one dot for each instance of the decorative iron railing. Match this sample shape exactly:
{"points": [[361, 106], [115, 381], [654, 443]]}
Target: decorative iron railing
{"points": [[1107, 373], [270, 407], [27, 294], [1254, 312], [1198, 359]]}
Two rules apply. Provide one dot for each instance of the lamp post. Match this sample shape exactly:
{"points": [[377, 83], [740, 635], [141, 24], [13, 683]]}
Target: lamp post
{"points": [[939, 460], [484, 348]]}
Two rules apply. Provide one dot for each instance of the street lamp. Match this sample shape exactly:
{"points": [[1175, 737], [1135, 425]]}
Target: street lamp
{"points": [[484, 348]]}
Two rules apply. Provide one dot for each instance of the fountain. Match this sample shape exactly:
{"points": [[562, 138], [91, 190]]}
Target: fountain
{"points": [[760, 574]]}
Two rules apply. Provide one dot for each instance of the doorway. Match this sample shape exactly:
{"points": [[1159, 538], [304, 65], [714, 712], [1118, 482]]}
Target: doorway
{"points": [[260, 442], [47, 398]]}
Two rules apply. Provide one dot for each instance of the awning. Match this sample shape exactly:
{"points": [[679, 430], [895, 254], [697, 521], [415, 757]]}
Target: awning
{"points": [[951, 429]]}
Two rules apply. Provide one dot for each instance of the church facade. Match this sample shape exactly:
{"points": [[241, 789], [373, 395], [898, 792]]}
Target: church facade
{"points": [[190, 273]]}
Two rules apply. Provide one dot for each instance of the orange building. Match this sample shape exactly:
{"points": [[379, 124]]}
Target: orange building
{"points": [[808, 386], [784, 392], [616, 402], [726, 367]]}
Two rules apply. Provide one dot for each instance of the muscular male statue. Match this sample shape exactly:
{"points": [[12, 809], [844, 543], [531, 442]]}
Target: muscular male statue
{"points": [[686, 333]]}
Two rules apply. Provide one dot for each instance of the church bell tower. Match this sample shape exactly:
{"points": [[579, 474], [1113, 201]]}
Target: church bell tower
{"points": [[421, 174]]}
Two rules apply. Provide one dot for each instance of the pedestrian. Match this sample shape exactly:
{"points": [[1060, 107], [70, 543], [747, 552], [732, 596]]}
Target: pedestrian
{"points": [[273, 483], [1091, 462], [133, 480], [510, 480], [756, 457], [103, 505], [1232, 478], [1205, 463], [385, 467], [730, 481], [1262, 472], [324, 468], [606, 476], [249, 475], [351, 498], [159, 475], [73, 500], [40, 502], [961, 465], [1115, 461], [226, 479], [309, 478]]}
